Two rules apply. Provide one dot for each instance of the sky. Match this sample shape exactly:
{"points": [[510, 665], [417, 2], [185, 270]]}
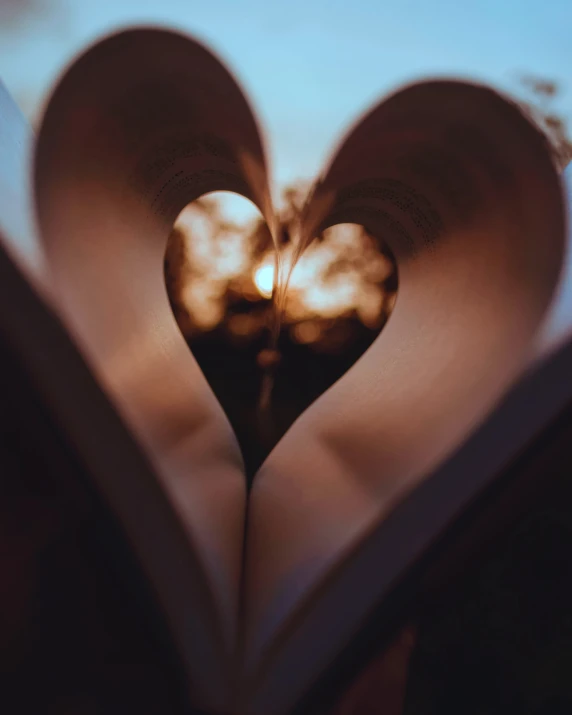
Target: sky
{"points": [[309, 67]]}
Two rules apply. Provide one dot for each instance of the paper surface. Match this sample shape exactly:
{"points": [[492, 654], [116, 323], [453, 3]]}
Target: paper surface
{"points": [[94, 447], [185, 588], [464, 191], [140, 125]]}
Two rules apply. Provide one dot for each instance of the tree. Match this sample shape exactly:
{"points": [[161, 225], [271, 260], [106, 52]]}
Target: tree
{"points": [[539, 107]]}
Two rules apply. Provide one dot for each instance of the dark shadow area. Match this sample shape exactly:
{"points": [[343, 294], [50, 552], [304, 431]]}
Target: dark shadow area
{"points": [[80, 631]]}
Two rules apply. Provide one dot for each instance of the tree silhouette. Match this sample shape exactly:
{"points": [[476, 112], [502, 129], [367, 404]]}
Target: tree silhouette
{"points": [[539, 107]]}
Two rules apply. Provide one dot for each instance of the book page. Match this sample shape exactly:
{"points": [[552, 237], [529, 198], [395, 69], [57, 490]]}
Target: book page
{"points": [[142, 124], [464, 191], [72, 454]]}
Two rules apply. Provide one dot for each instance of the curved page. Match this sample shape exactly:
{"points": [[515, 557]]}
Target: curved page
{"points": [[143, 123], [463, 189], [100, 445]]}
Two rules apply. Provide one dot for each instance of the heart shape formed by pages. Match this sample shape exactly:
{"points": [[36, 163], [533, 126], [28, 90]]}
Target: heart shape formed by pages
{"points": [[451, 175], [219, 270], [150, 152]]}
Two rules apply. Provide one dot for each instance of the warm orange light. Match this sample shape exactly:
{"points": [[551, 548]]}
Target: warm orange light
{"points": [[340, 275], [264, 279]]}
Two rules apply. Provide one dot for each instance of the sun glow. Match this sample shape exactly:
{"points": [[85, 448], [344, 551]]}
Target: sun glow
{"points": [[217, 259], [264, 279]]}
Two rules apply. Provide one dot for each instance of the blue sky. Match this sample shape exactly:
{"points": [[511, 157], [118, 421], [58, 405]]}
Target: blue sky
{"points": [[309, 66]]}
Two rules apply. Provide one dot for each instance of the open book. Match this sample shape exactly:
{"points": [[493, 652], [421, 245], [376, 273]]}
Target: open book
{"points": [[262, 594]]}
